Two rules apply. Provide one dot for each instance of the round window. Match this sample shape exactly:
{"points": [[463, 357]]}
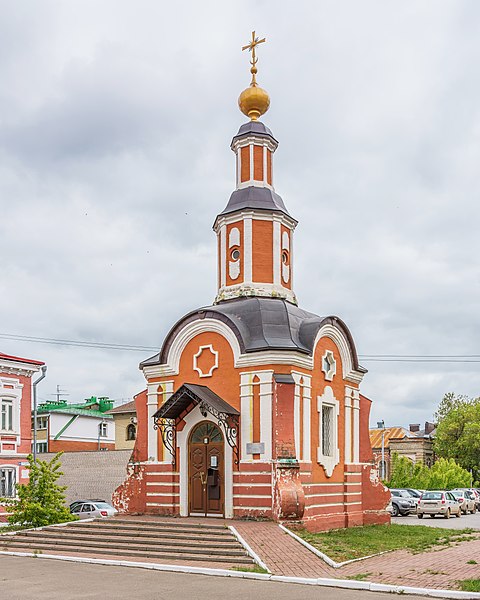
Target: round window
{"points": [[235, 254], [285, 257]]}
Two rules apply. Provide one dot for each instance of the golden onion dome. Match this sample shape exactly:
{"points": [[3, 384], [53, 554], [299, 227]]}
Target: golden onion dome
{"points": [[254, 102]]}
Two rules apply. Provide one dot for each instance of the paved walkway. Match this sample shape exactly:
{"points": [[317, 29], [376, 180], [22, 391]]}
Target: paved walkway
{"points": [[436, 569]]}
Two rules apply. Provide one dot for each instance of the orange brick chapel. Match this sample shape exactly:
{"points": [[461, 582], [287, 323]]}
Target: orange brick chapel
{"points": [[252, 407]]}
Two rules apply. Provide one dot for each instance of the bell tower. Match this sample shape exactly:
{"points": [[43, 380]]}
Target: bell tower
{"points": [[254, 231]]}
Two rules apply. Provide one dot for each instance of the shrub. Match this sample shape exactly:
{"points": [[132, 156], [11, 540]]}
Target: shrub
{"points": [[41, 501]]}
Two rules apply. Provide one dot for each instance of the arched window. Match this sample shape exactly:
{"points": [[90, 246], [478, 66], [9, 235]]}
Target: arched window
{"points": [[131, 432]]}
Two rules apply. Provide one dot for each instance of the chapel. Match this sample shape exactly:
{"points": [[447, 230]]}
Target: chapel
{"points": [[252, 406]]}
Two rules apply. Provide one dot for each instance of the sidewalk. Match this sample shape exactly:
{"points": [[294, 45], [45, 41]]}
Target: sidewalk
{"points": [[435, 569]]}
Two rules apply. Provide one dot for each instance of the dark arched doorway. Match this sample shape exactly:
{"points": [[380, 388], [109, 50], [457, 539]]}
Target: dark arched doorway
{"points": [[206, 471]]}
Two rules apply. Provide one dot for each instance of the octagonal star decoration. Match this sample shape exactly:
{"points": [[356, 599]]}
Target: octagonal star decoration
{"points": [[329, 365], [205, 361]]}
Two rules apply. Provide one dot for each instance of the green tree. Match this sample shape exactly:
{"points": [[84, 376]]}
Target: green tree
{"points": [[41, 501], [445, 474], [458, 431]]}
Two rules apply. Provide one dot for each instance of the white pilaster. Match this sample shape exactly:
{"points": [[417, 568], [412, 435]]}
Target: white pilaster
{"points": [[223, 255], [356, 430], [247, 249], [152, 406], [348, 427], [252, 176], [265, 384], [307, 430], [266, 414], [276, 252]]}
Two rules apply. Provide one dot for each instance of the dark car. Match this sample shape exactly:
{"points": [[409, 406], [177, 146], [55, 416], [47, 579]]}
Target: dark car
{"points": [[402, 503]]}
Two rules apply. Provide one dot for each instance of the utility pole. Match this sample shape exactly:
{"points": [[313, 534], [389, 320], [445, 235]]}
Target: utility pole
{"points": [[42, 376]]}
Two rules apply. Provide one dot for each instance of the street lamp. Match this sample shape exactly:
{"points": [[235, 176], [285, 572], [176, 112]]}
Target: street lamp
{"points": [[381, 424]]}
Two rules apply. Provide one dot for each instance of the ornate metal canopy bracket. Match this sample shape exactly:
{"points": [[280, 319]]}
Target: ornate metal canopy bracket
{"points": [[168, 427], [168, 431], [229, 424]]}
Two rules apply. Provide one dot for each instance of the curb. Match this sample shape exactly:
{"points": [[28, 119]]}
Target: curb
{"points": [[249, 549], [322, 582]]}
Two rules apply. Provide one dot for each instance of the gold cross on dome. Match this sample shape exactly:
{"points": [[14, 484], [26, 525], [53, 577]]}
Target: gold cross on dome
{"points": [[251, 47]]}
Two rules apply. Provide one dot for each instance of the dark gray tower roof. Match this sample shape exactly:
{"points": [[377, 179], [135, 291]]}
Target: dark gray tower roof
{"points": [[256, 198], [255, 128]]}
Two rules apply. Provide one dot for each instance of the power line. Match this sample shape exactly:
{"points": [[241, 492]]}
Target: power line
{"points": [[78, 343], [416, 358], [419, 360]]}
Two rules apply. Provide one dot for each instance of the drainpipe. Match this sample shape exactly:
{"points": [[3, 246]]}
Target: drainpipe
{"points": [[383, 451], [42, 376]]}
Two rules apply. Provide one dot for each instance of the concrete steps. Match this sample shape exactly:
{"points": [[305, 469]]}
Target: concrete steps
{"points": [[136, 539]]}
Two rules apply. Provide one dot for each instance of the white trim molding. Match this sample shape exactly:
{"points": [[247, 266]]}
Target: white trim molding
{"points": [[327, 400], [196, 356], [343, 345], [329, 359], [192, 419]]}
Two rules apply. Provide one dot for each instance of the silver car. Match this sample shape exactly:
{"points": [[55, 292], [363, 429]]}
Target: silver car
{"points": [[438, 502], [467, 501], [93, 510]]}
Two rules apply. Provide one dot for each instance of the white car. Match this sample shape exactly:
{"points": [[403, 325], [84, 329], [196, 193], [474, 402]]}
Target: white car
{"points": [[438, 502], [93, 510]]}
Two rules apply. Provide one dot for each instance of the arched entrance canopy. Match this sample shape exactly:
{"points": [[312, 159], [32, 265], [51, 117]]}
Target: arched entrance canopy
{"points": [[185, 399]]}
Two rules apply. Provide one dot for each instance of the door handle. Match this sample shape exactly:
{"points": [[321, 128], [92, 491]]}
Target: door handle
{"points": [[203, 481]]}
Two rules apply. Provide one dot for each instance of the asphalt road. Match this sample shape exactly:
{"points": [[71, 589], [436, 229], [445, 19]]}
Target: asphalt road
{"points": [[44, 579], [472, 521]]}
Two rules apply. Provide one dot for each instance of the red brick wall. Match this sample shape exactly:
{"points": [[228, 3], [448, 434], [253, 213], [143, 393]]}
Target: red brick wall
{"points": [[71, 446]]}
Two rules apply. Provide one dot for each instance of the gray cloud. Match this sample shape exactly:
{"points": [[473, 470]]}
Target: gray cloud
{"points": [[115, 124]]}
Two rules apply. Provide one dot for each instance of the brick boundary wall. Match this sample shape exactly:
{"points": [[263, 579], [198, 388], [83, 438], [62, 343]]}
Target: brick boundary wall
{"points": [[92, 474]]}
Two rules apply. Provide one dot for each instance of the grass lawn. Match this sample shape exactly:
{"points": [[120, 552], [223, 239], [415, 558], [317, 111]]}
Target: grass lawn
{"points": [[355, 542], [470, 585], [252, 569]]}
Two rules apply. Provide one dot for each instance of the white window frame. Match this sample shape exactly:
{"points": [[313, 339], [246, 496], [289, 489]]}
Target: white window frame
{"points": [[7, 417], [103, 430], [12, 470], [328, 462]]}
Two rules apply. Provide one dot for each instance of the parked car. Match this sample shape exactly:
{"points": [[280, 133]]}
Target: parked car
{"points": [[438, 502], [466, 501], [93, 510], [402, 503], [76, 502], [414, 494], [472, 491], [470, 500]]}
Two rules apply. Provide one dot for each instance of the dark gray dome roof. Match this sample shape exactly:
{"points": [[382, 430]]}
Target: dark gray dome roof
{"points": [[258, 198], [260, 324], [255, 128]]}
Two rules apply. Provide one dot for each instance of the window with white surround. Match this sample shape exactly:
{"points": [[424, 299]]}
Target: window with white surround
{"points": [[327, 430], [102, 429], [7, 482], [328, 453], [6, 414]]}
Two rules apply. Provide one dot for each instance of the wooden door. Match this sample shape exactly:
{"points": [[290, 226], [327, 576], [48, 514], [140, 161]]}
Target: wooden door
{"points": [[206, 471]]}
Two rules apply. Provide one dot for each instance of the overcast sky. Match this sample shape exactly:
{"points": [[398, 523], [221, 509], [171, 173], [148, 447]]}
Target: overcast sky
{"points": [[115, 124]]}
